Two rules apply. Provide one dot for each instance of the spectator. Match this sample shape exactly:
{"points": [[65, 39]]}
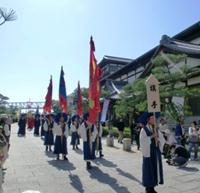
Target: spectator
{"points": [[193, 139], [179, 156], [133, 130], [179, 132], [120, 126]]}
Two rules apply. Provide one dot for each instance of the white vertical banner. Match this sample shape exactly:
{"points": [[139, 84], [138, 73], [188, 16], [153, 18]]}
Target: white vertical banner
{"points": [[153, 96], [104, 110]]}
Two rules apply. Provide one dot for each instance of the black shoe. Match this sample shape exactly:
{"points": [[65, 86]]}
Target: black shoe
{"points": [[88, 165], [46, 148], [77, 147], [50, 150], [100, 153], [65, 158], [73, 147], [58, 158], [148, 190], [153, 190]]}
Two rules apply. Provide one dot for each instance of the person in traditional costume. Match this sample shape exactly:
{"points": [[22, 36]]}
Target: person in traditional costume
{"points": [[151, 143], [60, 130], [48, 128], [88, 134], [98, 139], [37, 125], [22, 125], [42, 133], [4, 143], [9, 121], [5, 130], [30, 122], [74, 127]]}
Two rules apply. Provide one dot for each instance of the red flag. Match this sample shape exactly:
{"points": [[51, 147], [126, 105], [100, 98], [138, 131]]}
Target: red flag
{"points": [[48, 98], [79, 101], [94, 86], [62, 93]]}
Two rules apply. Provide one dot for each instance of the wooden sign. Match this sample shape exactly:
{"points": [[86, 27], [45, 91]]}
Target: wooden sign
{"points": [[153, 96]]}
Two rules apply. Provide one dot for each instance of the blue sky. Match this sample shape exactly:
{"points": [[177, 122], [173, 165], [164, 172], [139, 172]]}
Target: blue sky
{"points": [[51, 33]]}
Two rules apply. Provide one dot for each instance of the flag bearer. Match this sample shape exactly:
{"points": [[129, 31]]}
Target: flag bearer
{"points": [[61, 132], [88, 133]]}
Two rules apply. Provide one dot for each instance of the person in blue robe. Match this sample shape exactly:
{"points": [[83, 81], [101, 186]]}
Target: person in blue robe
{"points": [[42, 132], [152, 143], [48, 128], [22, 125], [98, 139], [74, 132], [37, 125], [179, 132], [60, 130], [88, 134]]}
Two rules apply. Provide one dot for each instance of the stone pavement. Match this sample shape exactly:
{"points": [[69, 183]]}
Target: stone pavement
{"points": [[29, 167]]}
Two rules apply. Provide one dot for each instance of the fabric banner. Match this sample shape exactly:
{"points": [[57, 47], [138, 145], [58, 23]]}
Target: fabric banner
{"points": [[62, 93], [104, 110], [48, 99]]}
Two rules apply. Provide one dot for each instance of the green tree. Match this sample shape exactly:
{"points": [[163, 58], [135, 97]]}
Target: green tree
{"points": [[3, 102], [173, 83], [55, 106]]}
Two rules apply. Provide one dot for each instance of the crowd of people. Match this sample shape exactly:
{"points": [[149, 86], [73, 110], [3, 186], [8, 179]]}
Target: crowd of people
{"points": [[55, 129], [157, 140], [152, 140]]}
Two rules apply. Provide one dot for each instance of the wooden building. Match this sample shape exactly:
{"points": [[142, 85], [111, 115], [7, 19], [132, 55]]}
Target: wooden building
{"points": [[128, 70]]}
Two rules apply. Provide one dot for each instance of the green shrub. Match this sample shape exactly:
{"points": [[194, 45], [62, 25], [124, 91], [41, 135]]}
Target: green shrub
{"points": [[127, 133]]}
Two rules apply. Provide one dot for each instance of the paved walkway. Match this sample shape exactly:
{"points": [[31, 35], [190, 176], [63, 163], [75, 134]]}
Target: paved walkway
{"points": [[31, 168]]}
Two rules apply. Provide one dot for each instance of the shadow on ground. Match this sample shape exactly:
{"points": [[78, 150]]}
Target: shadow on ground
{"points": [[76, 183], [96, 173], [105, 163], [128, 175], [62, 165], [50, 154], [189, 169]]}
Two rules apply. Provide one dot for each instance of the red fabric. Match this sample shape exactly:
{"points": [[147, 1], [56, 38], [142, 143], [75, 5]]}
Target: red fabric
{"points": [[63, 103], [94, 86], [48, 99], [30, 122], [79, 101]]}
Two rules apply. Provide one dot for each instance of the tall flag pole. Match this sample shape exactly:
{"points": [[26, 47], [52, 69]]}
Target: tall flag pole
{"points": [[62, 93], [94, 86], [48, 99], [79, 101]]}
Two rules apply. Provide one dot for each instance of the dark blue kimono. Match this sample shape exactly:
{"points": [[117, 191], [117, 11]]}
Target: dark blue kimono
{"points": [[151, 164], [42, 127], [75, 137], [179, 134], [49, 139], [37, 126], [88, 152], [22, 126], [61, 143]]}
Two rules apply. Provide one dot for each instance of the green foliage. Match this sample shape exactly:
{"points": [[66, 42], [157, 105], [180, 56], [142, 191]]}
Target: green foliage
{"points": [[126, 133], [84, 92], [3, 102], [173, 83], [55, 106]]}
